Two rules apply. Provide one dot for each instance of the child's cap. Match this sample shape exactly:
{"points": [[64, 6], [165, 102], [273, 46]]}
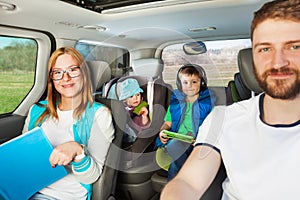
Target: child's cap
{"points": [[128, 88]]}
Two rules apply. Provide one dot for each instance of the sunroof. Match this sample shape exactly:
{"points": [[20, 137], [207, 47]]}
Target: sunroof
{"points": [[100, 5]]}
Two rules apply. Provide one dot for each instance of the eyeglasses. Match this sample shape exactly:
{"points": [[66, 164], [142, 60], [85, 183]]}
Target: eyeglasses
{"points": [[58, 74]]}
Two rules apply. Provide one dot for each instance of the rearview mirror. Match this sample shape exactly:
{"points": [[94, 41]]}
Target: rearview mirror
{"points": [[194, 48]]}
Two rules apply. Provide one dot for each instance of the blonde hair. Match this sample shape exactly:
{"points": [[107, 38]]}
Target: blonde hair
{"points": [[54, 96]]}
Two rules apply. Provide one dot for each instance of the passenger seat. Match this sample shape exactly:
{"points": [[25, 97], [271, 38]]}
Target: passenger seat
{"points": [[245, 63], [148, 67], [243, 87], [105, 187], [100, 74]]}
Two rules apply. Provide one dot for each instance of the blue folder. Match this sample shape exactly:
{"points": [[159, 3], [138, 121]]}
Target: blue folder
{"points": [[25, 167]]}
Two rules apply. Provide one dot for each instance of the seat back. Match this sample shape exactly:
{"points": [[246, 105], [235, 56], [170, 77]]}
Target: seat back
{"points": [[219, 93], [245, 63], [153, 67], [105, 187], [237, 90], [244, 85], [243, 91], [148, 67], [100, 74]]}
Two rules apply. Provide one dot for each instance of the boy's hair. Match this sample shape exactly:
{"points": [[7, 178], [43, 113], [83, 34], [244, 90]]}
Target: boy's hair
{"points": [[278, 9], [189, 70]]}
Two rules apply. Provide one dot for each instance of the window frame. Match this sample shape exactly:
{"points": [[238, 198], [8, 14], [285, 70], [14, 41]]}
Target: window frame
{"points": [[45, 45]]}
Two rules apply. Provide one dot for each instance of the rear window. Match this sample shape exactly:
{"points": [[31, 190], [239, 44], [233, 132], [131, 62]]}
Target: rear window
{"points": [[116, 57], [219, 62]]}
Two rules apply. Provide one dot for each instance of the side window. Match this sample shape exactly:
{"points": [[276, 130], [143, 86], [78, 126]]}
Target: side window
{"points": [[17, 66], [116, 57], [219, 62]]}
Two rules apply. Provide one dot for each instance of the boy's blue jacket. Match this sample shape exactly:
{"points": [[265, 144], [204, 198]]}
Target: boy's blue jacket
{"points": [[81, 129], [201, 108]]}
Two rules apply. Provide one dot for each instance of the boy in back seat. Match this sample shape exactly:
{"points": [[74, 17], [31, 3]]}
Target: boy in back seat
{"points": [[189, 106]]}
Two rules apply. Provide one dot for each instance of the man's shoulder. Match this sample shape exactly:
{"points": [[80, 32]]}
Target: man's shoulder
{"points": [[242, 108]]}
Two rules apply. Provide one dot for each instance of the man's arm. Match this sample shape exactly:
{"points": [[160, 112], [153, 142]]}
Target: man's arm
{"points": [[195, 176]]}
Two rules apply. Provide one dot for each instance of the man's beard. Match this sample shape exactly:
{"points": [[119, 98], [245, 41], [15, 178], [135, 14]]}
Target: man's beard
{"points": [[279, 89]]}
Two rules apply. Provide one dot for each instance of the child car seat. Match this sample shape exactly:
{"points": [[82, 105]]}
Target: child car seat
{"points": [[138, 158]]}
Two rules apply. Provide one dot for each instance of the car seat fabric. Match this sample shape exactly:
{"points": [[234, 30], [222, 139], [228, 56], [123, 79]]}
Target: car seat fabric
{"points": [[245, 64], [236, 90], [244, 82], [148, 67], [105, 187], [243, 91], [232, 94]]}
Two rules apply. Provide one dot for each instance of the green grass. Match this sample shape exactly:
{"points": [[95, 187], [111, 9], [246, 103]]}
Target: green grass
{"points": [[14, 86]]}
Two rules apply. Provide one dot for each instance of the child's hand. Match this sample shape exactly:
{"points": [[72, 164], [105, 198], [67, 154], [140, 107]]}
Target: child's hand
{"points": [[163, 137], [144, 111]]}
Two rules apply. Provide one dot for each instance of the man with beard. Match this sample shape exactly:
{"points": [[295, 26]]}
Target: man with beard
{"points": [[258, 140]]}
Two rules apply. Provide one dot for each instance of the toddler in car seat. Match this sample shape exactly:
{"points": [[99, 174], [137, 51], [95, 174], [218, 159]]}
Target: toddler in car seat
{"points": [[129, 93]]}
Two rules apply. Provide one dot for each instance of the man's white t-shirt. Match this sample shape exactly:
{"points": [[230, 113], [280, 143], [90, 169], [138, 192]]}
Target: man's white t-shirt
{"points": [[262, 161]]}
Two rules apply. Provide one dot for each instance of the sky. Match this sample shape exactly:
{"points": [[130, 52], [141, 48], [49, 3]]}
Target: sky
{"points": [[4, 41], [7, 41]]}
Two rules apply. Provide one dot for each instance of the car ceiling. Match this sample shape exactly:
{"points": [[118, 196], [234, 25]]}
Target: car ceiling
{"points": [[161, 23]]}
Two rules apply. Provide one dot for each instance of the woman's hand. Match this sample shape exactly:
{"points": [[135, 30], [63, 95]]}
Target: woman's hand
{"points": [[64, 153], [163, 137]]}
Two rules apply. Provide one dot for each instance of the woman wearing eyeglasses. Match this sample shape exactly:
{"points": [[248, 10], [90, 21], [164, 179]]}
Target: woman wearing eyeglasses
{"points": [[79, 129]]}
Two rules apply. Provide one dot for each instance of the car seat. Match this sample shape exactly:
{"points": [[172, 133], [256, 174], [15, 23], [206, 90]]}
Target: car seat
{"points": [[245, 63], [100, 74], [243, 86], [138, 158], [105, 187], [236, 90]]}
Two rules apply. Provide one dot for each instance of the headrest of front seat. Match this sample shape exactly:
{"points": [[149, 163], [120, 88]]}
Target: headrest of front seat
{"points": [[148, 67], [100, 73], [245, 63]]}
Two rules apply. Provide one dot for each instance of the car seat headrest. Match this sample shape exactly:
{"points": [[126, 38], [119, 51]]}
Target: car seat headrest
{"points": [[245, 63], [243, 91], [148, 67], [100, 73]]}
